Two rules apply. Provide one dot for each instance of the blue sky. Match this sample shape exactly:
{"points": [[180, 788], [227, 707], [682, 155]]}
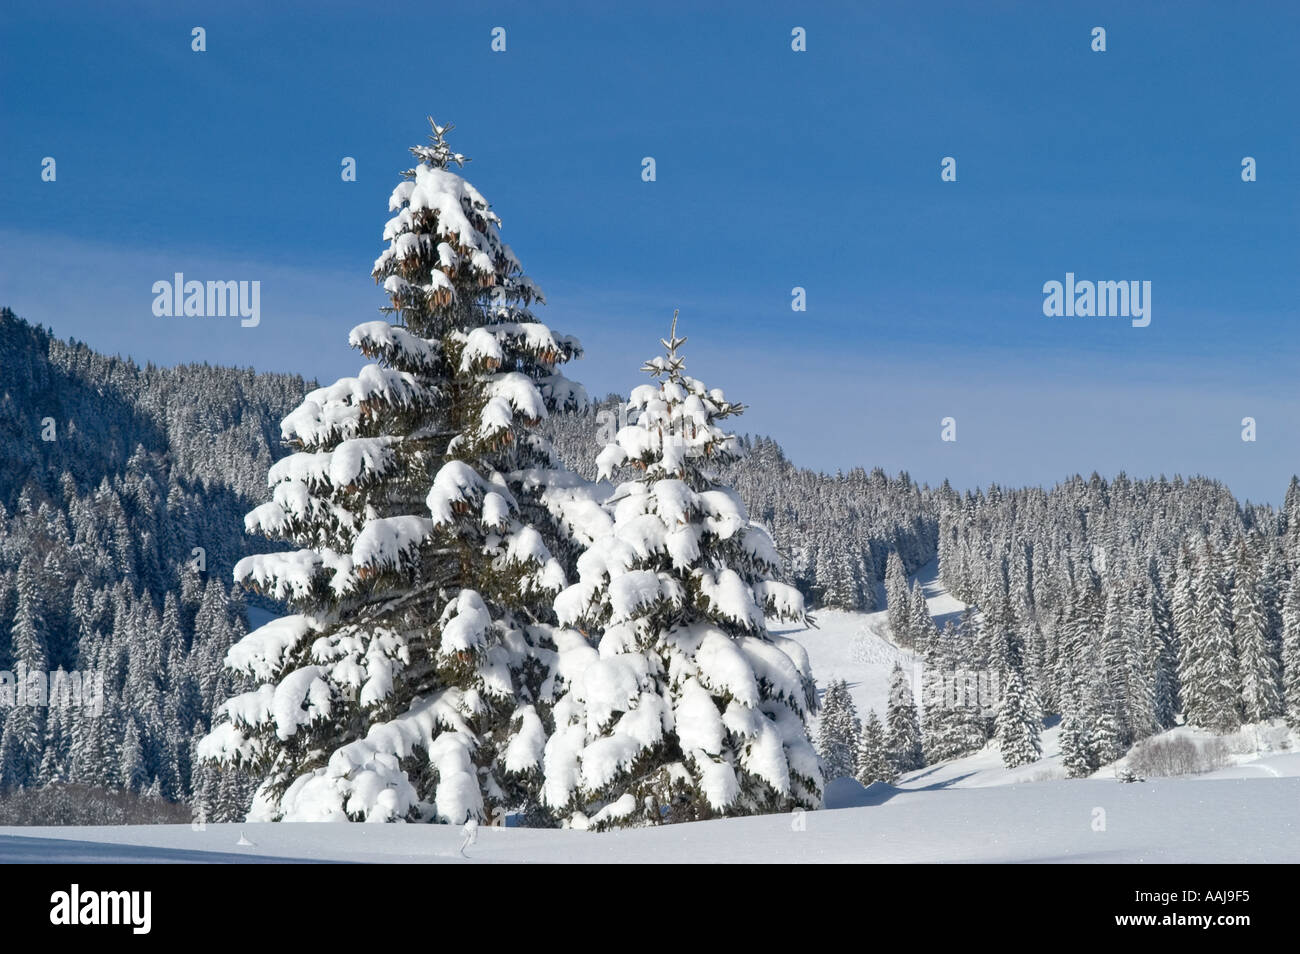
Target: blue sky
{"points": [[775, 169]]}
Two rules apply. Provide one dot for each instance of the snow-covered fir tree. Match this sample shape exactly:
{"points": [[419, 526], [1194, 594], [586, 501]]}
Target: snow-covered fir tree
{"points": [[935, 691], [921, 625], [952, 722], [1018, 722], [873, 763], [1107, 736], [1112, 660], [411, 683], [1291, 652], [1253, 635], [903, 738], [678, 702], [838, 731], [898, 602], [1142, 660], [1209, 672], [133, 772], [1076, 740], [22, 737]]}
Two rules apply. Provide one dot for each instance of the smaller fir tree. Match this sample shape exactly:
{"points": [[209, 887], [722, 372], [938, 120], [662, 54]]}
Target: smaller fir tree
{"points": [[838, 732], [904, 738], [873, 764]]}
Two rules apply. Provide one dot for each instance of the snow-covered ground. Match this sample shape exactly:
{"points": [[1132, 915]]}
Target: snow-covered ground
{"points": [[966, 810], [1221, 820]]}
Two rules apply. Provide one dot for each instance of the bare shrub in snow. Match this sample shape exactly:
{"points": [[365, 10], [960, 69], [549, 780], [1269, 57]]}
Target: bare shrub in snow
{"points": [[1163, 758], [88, 805]]}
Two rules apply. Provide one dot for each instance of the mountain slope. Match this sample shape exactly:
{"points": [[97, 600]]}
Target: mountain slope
{"points": [[122, 495]]}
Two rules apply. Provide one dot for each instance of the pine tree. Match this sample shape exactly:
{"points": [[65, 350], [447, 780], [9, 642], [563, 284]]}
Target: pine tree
{"points": [[1018, 722], [51, 772], [898, 604], [422, 585], [873, 763], [922, 625], [131, 769], [681, 705], [843, 583], [1142, 662], [24, 726], [54, 757], [230, 804], [936, 706], [1261, 694], [1116, 652], [1291, 652], [1290, 521], [1271, 586], [202, 783], [1165, 691], [1083, 630], [1076, 743], [953, 721], [903, 741], [838, 732], [1209, 671], [1106, 735], [1035, 649]]}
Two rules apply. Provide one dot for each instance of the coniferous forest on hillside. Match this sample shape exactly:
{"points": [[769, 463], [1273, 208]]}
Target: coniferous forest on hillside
{"points": [[1122, 607]]}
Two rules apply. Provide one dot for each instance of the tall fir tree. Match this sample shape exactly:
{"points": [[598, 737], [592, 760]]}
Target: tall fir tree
{"points": [[1291, 652], [1106, 731], [1209, 672], [1261, 690], [412, 681], [898, 603], [1142, 663], [24, 726], [131, 769], [1165, 690], [1114, 659]]}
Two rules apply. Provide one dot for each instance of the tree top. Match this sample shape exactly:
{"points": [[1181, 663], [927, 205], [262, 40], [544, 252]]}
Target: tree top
{"points": [[437, 154]]}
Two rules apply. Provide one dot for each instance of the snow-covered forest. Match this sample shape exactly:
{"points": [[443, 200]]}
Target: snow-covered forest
{"points": [[1131, 603], [122, 490], [474, 593]]}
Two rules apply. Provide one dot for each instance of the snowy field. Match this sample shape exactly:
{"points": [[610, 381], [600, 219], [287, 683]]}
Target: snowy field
{"points": [[967, 810], [1217, 820]]}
